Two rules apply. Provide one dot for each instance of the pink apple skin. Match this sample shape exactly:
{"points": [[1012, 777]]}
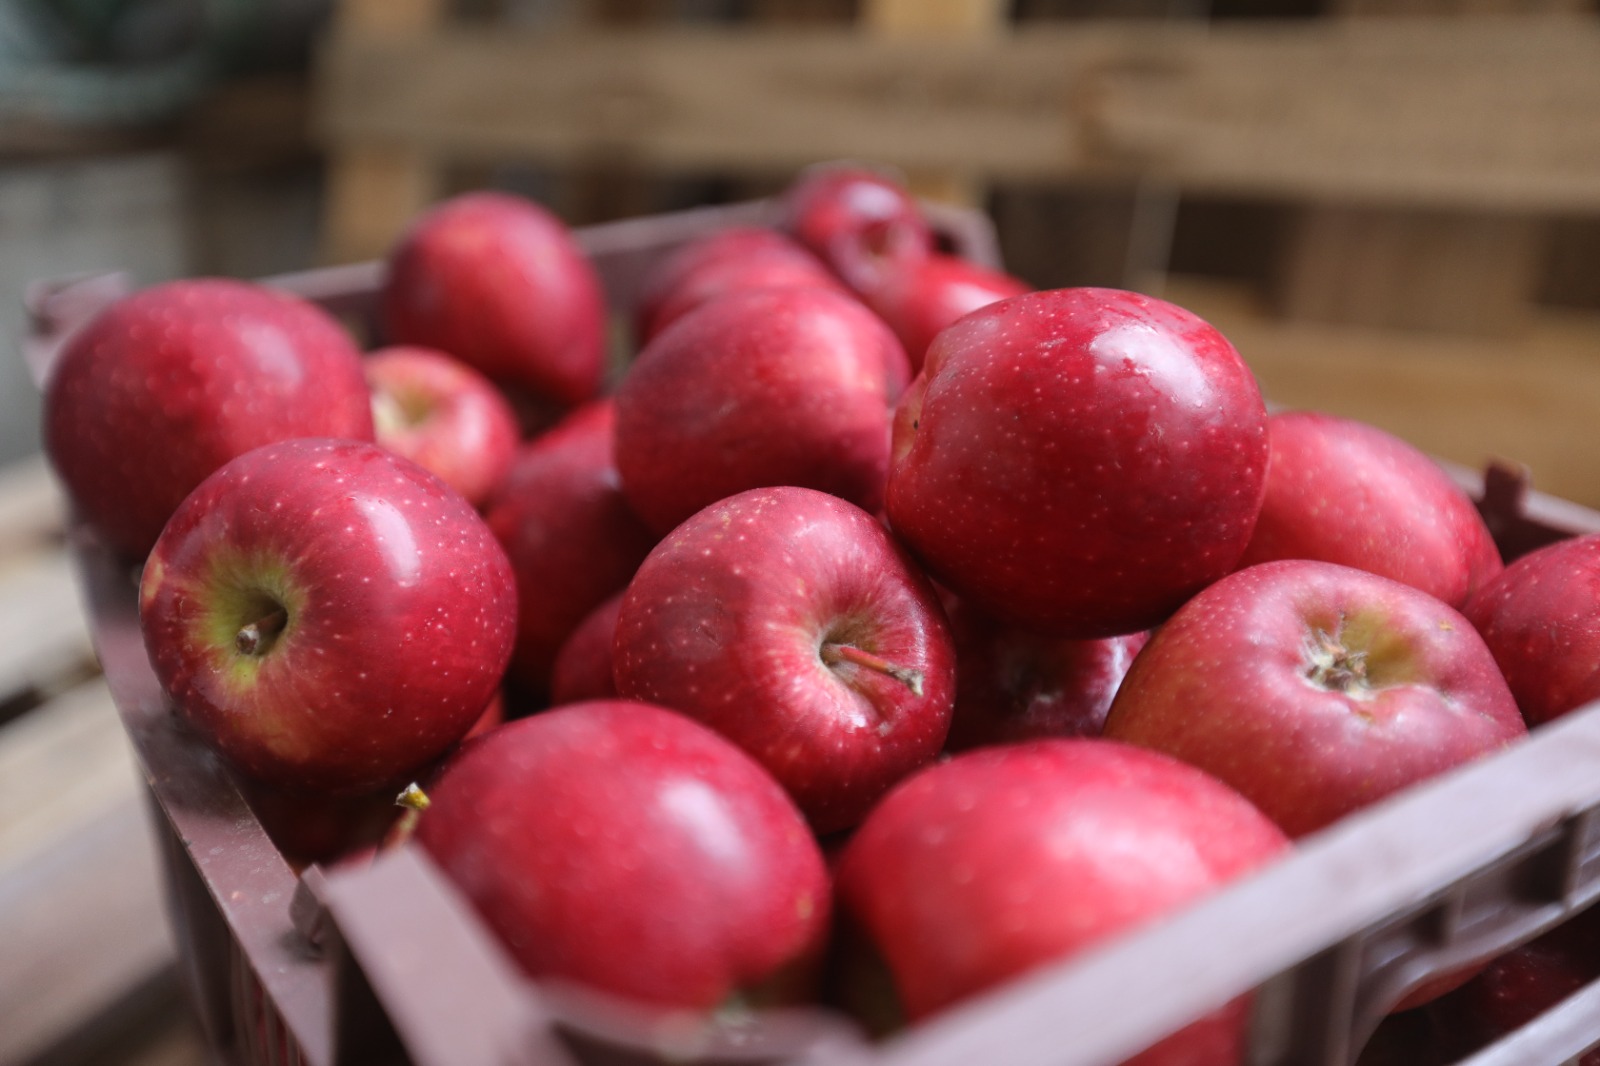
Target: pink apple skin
{"points": [[582, 669], [171, 382], [632, 850], [1316, 689], [863, 224], [1003, 860], [757, 388], [737, 617], [1541, 619], [398, 613], [1346, 492], [1013, 684], [572, 538], [742, 257], [444, 416], [498, 282], [1079, 461], [932, 293]]}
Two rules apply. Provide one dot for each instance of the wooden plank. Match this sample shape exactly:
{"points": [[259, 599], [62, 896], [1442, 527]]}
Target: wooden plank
{"points": [[1411, 269], [82, 925], [32, 506], [376, 185], [1397, 112], [61, 765], [1527, 398], [42, 630], [938, 18]]}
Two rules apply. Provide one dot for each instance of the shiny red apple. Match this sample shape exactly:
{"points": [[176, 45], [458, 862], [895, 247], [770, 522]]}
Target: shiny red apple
{"points": [[442, 415], [1315, 690], [329, 616], [499, 282], [1014, 684], [930, 294], [1541, 619], [790, 622], [168, 384], [863, 223], [1000, 861], [1079, 461], [582, 669], [572, 538], [756, 388], [632, 850], [1347, 492], [730, 260]]}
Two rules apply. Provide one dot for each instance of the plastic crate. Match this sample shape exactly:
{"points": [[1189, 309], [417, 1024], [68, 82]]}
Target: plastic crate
{"points": [[384, 962]]}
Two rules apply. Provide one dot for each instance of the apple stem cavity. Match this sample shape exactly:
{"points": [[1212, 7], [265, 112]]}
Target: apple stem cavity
{"points": [[834, 654], [1333, 666], [256, 637]]}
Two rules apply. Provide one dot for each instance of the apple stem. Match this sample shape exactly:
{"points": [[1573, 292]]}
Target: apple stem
{"points": [[1335, 666], [415, 801], [254, 638], [833, 654]]}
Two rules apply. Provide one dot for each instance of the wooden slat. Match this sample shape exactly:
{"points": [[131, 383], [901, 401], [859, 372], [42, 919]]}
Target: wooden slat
{"points": [[32, 508], [377, 185], [42, 631], [1398, 112], [1527, 398], [1432, 270], [61, 765], [82, 924]]}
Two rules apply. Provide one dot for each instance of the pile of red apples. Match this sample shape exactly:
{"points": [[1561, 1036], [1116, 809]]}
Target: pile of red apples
{"points": [[877, 614]]}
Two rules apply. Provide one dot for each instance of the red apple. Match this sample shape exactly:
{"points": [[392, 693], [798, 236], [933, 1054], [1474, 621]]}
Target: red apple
{"points": [[169, 383], [1541, 619], [789, 621], [1346, 492], [1316, 689], [862, 223], [329, 616], [1518, 986], [1079, 461], [741, 257], [1013, 684], [442, 415], [571, 536], [756, 388], [932, 293], [582, 670], [632, 850], [498, 282], [1003, 860]]}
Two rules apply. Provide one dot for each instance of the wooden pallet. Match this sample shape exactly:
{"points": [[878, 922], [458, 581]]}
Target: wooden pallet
{"points": [[86, 971]]}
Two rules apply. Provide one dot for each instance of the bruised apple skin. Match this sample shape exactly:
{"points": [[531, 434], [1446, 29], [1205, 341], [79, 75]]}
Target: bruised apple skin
{"points": [[1079, 461], [669, 867], [1002, 860], [1316, 689]]}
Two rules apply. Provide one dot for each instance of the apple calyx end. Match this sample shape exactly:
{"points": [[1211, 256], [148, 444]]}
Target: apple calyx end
{"points": [[833, 653], [256, 638], [1334, 666]]}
